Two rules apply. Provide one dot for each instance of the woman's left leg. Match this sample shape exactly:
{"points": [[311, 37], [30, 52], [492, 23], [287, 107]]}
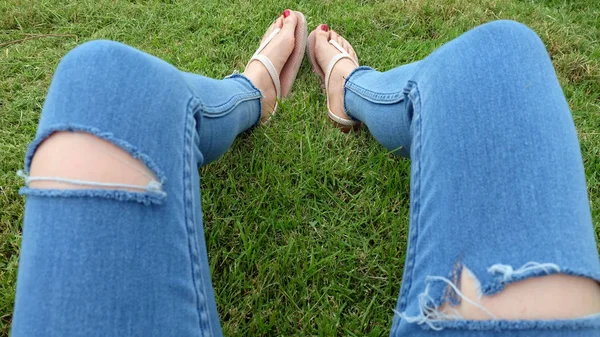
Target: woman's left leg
{"points": [[501, 239]]}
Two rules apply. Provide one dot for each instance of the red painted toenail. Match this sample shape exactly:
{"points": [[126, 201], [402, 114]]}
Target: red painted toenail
{"points": [[286, 13], [324, 27]]}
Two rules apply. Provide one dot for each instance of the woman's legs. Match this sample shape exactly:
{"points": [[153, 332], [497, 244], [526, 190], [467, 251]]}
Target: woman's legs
{"points": [[498, 192], [113, 241]]}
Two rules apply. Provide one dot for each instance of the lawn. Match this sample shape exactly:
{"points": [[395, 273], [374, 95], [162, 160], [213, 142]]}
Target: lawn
{"points": [[306, 227]]}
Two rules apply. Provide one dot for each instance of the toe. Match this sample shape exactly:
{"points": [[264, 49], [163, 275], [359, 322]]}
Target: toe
{"points": [[333, 35], [346, 45], [290, 20], [322, 33], [278, 23], [353, 54], [350, 50], [342, 42]]}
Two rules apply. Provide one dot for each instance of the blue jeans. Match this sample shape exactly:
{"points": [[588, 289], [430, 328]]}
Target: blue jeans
{"points": [[497, 186]]}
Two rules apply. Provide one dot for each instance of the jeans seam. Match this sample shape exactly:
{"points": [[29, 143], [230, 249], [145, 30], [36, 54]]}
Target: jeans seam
{"points": [[411, 90], [189, 217], [414, 226], [213, 111], [256, 90], [216, 111], [374, 97]]}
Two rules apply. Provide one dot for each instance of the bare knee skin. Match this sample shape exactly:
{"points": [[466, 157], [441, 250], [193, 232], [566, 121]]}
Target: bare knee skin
{"points": [[555, 296], [81, 156]]}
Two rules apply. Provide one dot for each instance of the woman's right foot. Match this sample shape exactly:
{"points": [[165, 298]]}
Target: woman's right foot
{"points": [[324, 52], [277, 51]]}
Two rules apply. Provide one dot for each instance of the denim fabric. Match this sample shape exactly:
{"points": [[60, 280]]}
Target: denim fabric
{"points": [[121, 263], [497, 183], [497, 179]]}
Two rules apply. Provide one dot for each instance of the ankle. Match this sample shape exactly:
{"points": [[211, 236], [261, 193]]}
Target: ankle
{"points": [[336, 90], [266, 87]]}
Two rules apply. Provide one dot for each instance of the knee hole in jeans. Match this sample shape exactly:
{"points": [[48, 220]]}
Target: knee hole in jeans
{"points": [[555, 296], [68, 160], [546, 293]]}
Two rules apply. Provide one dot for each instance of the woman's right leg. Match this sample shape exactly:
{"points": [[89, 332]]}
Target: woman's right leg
{"points": [[113, 239], [501, 237]]}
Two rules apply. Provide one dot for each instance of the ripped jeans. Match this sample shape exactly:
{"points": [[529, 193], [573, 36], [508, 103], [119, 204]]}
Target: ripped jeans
{"points": [[116, 261], [497, 179], [497, 186]]}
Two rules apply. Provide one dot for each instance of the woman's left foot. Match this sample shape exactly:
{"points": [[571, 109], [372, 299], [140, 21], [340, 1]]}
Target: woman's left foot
{"points": [[277, 51], [324, 53]]}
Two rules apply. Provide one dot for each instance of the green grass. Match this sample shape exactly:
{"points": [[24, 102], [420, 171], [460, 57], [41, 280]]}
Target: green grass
{"points": [[306, 226]]}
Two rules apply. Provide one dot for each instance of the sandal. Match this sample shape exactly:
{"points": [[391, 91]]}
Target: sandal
{"points": [[284, 81], [343, 123]]}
